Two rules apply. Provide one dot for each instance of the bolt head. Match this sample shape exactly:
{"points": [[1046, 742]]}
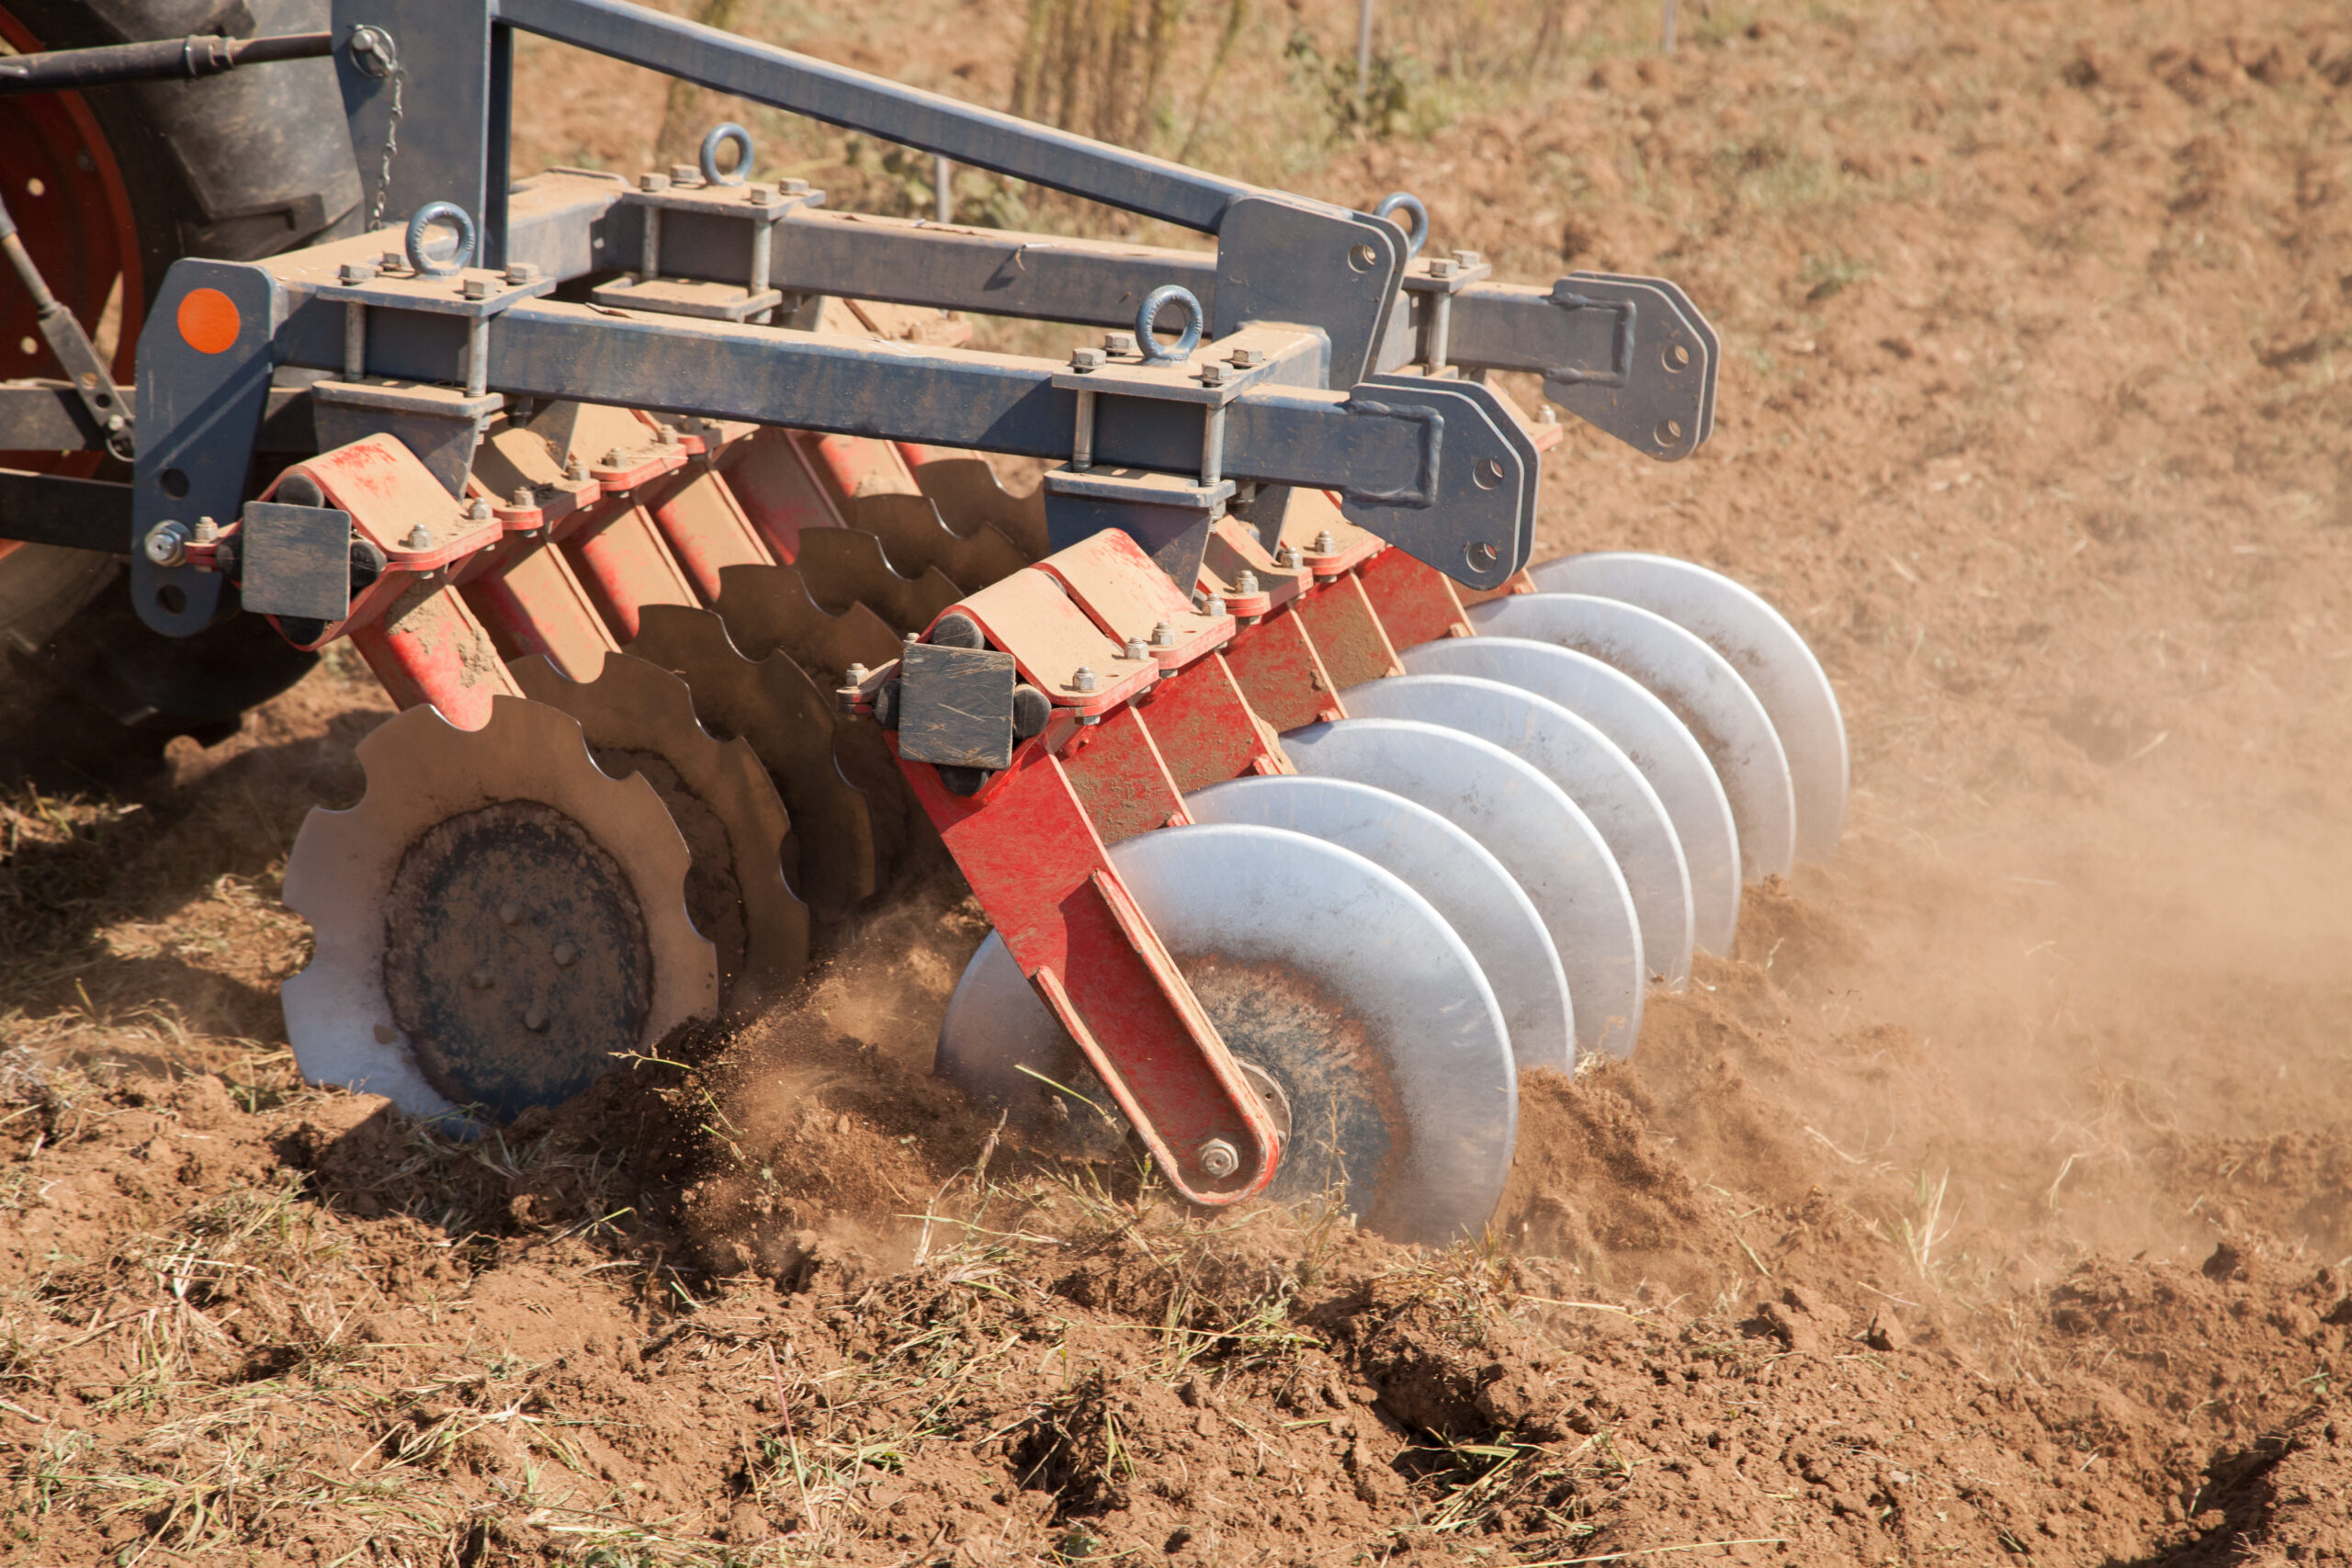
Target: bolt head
{"points": [[1086, 359], [855, 675], [393, 261], [207, 531], [1247, 582], [1119, 342], [1137, 648], [1218, 1159], [1085, 680], [1244, 358], [419, 538], [573, 469], [1467, 258], [1290, 557], [792, 188], [1213, 373], [356, 271], [478, 510], [666, 434], [759, 196], [1443, 266], [1163, 635], [653, 182], [615, 458], [686, 173], [522, 497], [1214, 606], [477, 289], [520, 272]]}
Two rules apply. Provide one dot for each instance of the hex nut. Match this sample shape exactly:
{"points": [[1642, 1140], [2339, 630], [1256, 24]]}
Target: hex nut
{"points": [[1247, 582], [1084, 679], [1137, 648], [1325, 543], [1163, 635], [1218, 1159], [522, 499], [419, 538], [479, 511], [1086, 359], [166, 544]]}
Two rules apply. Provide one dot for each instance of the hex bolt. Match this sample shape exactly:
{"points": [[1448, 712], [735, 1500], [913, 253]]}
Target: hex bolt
{"points": [[1289, 557], [1467, 258], [759, 196], [1163, 635], [1243, 358], [1137, 648], [1213, 373], [393, 261], [1325, 543], [480, 980], [207, 531], [510, 913], [1120, 343], [1218, 1159], [477, 289], [1444, 266], [419, 538], [521, 274], [566, 955], [1247, 582], [685, 175], [478, 511], [1085, 680], [792, 188], [166, 544], [356, 271], [1085, 359], [1215, 606], [666, 434], [855, 675], [613, 458], [653, 182], [522, 500], [534, 1021], [574, 470]]}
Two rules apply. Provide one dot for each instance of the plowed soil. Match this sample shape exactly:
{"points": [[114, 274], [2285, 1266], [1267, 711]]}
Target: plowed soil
{"points": [[1993, 1202]]}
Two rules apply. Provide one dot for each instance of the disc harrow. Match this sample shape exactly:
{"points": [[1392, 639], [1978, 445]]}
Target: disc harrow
{"points": [[1306, 812]]}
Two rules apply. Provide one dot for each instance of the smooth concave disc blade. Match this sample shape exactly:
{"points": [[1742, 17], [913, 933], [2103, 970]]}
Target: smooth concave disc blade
{"points": [[1326, 971], [1646, 729], [1698, 683], [1583, 761], [1770, 655], [1526, 821], [1462, 880]]}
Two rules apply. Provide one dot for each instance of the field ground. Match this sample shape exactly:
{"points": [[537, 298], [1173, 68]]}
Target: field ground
{"points": [[1994, 1203]]}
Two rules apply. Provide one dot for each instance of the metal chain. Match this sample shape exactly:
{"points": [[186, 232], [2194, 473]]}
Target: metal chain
{"points": [[392, 151]]}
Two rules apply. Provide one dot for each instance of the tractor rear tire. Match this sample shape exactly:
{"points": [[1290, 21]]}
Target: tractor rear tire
{"points": [[237, 166]]}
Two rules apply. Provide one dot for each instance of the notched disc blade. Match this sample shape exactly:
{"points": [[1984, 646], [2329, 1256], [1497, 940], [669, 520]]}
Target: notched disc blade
{"points": [[1330, 974], [1698, 683], [767, 610], [845, 566], [968, 491], [1647, 730], [1551, 849], [494, 922], [1462, 880], [774, 707], [1769, 653], [1586, 764], [639, 717], [916, 539]]}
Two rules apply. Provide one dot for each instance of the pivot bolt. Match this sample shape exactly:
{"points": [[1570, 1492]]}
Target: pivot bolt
{"points": [[1085, 680], [1243, 358], [1163, 635], [1083, 359], [477, 289], [1137, 648], [534, 1021], [1120, 343], [1325, 543], [566, 955], [1219, 1158], [166, 544], [419, 538], [478, 511], [522, 497], [1247, 582], [519, 273], [510, 913], [480, 980]]}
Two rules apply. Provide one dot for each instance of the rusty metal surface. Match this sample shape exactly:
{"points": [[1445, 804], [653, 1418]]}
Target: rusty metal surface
{"points": [[845, 566], [767, 610], [772, 705], [634, 710], [513, 819]]}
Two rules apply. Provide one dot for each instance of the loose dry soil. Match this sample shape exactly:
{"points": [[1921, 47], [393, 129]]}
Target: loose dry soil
{"points": [[1993, 1202]]}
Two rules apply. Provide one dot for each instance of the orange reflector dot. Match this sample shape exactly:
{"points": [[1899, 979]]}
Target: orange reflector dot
{"points": [[209, 320]]}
